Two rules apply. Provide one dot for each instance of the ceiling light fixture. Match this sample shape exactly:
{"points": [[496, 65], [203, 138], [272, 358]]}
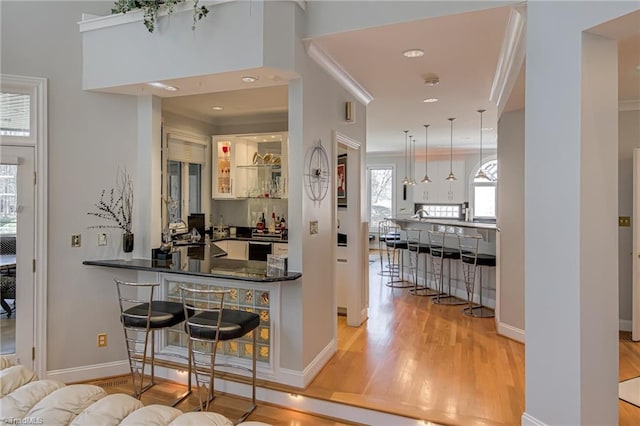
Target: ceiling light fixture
{"points": [[405, 181], [413, 53], [426, 179], [431, 80], [430, 100], [451, 176], [217, 108], [249, 79], [163, 86], [412, 158], [481, 174]]}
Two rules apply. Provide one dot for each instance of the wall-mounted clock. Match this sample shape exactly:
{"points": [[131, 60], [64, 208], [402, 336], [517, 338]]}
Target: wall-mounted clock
{"points": [[317, 175]]}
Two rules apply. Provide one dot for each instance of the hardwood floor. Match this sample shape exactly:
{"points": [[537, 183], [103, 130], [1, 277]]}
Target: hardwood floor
{"points": [[420, 360]]}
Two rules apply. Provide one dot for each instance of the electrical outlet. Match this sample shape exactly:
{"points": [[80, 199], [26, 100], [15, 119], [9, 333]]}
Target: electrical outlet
{"points": [[624, 221], [75, 240], [313, 227], [102, 340], [102, 238]]}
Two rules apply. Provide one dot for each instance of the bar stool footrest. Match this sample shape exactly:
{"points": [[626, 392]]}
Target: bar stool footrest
{"points": [[479, 312]]}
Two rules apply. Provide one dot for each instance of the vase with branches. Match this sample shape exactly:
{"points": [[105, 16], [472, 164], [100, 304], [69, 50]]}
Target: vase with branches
{"points": [[116, 206], [152, 8]]}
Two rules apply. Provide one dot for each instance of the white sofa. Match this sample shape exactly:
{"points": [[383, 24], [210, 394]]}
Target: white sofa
{"points": [[24, 399]]}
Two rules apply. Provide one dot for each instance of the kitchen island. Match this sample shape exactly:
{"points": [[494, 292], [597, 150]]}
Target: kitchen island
{"points": [[249, 287]]}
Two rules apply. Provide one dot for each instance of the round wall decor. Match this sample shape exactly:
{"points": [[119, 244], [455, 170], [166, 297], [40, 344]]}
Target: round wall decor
{"points": [[317, 175]]}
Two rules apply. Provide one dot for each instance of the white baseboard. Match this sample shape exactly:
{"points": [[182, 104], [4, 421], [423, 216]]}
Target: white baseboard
{"points": [[529, 420], [90, 372], [511, 332], [625, 325], [301, 379]]}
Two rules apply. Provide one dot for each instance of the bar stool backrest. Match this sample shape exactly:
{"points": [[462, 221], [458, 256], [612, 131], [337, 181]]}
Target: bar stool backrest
{"points": [[469, 247], [142, 294], [413, 238]]}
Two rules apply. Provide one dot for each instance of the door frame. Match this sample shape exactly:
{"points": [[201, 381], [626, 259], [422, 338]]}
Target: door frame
{"points": [[635, 254], [37, 88]]}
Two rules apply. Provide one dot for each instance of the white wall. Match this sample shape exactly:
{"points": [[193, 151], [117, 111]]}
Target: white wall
{"points": [[90, 135], [629, 138], [511, 221]]}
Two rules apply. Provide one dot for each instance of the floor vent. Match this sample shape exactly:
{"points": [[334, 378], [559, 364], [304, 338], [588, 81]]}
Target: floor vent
{"points": [[120, 381]]}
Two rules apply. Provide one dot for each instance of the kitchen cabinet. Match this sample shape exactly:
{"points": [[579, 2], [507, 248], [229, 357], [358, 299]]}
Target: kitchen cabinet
{"points": [[281, 248], [250, 166], [441, 190]]}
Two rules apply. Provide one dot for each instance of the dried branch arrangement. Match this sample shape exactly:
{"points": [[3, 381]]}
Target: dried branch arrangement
{"points": [[116, 204]]}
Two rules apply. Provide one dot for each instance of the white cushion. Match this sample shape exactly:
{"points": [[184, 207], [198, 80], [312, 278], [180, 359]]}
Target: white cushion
{"points": [[11, 378], [152, 415], [20, 401], [61, 406], [110, 410], [204, 418]]}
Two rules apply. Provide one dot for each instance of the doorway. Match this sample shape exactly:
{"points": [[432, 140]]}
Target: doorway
{"points": [[17, 278]]}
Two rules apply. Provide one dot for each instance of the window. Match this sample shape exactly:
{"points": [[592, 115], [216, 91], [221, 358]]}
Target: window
{"points": [[484, 192], [380, 193], [441, 211], [15, 114], [8, 199]]}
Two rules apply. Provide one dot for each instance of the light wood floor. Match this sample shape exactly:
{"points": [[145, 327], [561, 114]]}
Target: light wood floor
{"points": [[421, 360]]}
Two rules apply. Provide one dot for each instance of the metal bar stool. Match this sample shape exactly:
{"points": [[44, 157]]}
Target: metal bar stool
{"points": [[391, 268], [142, 315], [210, 324], [471, 260], [439, 253], [417, 242], [395, 250]]}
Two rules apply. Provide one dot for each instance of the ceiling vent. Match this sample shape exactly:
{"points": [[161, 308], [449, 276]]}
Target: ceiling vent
{"points": [[431, 80]]}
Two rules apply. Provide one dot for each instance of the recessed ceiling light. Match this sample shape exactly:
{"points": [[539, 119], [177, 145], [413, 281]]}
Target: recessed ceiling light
{"points": [[249, 79], [413, 53], [163, 86], [217, 108], [430, 100]]}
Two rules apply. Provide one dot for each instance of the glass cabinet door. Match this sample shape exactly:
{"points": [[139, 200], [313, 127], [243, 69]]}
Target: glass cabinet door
{"points": [[223, 173]]}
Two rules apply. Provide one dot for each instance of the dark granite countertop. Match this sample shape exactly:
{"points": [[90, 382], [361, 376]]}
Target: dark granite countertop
{"points": [[199, 260]]}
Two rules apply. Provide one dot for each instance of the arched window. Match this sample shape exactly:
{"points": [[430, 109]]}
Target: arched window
{"points": [[484, 191]]}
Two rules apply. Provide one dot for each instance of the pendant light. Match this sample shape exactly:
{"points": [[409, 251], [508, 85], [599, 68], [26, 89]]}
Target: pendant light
{"points": [[405, 181], [481, 174], [426, 179], [451, 176], [412, 181]]}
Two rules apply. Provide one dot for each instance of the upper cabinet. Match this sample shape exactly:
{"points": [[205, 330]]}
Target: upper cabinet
{"points": [[440, 190], [250, 165]]}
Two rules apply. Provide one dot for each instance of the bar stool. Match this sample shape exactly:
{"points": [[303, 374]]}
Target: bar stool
{"points": [[417, 243], [144, 315], [439, 253], [212, 323], [471, 260], [391, 268], [396, 248]]}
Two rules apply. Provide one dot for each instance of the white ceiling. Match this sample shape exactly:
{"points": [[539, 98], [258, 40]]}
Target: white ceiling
{"points": [[462, 50]]}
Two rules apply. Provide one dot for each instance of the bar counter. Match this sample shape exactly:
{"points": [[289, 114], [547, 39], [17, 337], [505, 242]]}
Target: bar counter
{"points": [[202, 261], [407, 222]]}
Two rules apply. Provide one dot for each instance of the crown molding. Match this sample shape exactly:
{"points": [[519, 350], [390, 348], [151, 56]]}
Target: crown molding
{"points": [[346, 140], [511, 58], [631, 105], [327, 63]]}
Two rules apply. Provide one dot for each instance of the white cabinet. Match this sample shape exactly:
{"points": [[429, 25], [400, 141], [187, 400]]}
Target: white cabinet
{"points": [[280, 248], [440, 190], [250, 166]]}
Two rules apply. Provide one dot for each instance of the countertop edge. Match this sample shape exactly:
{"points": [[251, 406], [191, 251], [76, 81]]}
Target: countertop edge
{"points": [[111, 263]]}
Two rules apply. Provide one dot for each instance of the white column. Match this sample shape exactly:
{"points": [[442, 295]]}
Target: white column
{"points": [[571, 276], [147, 225]]}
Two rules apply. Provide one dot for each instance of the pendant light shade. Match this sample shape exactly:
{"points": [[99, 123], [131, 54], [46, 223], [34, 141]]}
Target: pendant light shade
{"points": [[451, 176], [426, 179], [405, 181], [481, 174]]}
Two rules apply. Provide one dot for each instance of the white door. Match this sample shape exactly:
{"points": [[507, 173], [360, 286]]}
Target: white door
{"points": [[17, 223], [635, 328]]}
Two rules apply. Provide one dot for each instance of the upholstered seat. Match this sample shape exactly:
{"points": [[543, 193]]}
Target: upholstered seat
{"points": [[234, 324]]}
